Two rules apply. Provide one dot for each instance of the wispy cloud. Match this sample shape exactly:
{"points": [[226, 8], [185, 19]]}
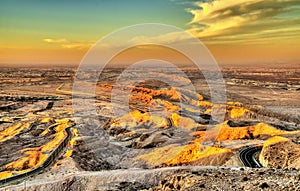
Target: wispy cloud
{"points": [[243, 20], [50, 40], [64, 43]]}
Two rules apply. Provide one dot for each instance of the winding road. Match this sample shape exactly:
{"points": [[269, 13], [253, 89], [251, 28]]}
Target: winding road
{"points": [[247, 156], [50, 160]]}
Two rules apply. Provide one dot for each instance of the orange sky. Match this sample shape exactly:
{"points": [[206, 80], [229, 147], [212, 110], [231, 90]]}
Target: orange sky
{"points": [[235, 31]]}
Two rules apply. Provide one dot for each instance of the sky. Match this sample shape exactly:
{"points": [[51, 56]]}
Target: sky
{"points": [[235, 31]]}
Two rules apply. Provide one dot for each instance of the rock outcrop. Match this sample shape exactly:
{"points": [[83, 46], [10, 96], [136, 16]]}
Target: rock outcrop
{"points": [[280, 152]]}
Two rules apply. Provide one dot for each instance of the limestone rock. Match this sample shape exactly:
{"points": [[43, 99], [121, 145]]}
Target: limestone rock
{"points": [[280, 152]]}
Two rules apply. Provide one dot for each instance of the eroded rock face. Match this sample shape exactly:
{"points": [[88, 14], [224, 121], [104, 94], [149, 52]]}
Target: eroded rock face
{"points": [[280, 152]]}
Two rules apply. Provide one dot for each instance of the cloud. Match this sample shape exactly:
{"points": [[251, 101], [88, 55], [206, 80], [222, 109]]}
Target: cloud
{"points": [[77, 45], [49, 40], [64, 43], [243, 20]]}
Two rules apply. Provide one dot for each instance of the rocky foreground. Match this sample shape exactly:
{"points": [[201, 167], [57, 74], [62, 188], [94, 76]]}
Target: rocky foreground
{"points": [[173, 178]]}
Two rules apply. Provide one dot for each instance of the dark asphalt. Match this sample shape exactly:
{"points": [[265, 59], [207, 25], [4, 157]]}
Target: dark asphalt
{"points": [[247, 156]]}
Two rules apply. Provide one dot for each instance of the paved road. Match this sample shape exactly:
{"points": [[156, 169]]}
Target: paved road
{"points": [[50, 160], [247, 156]]}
